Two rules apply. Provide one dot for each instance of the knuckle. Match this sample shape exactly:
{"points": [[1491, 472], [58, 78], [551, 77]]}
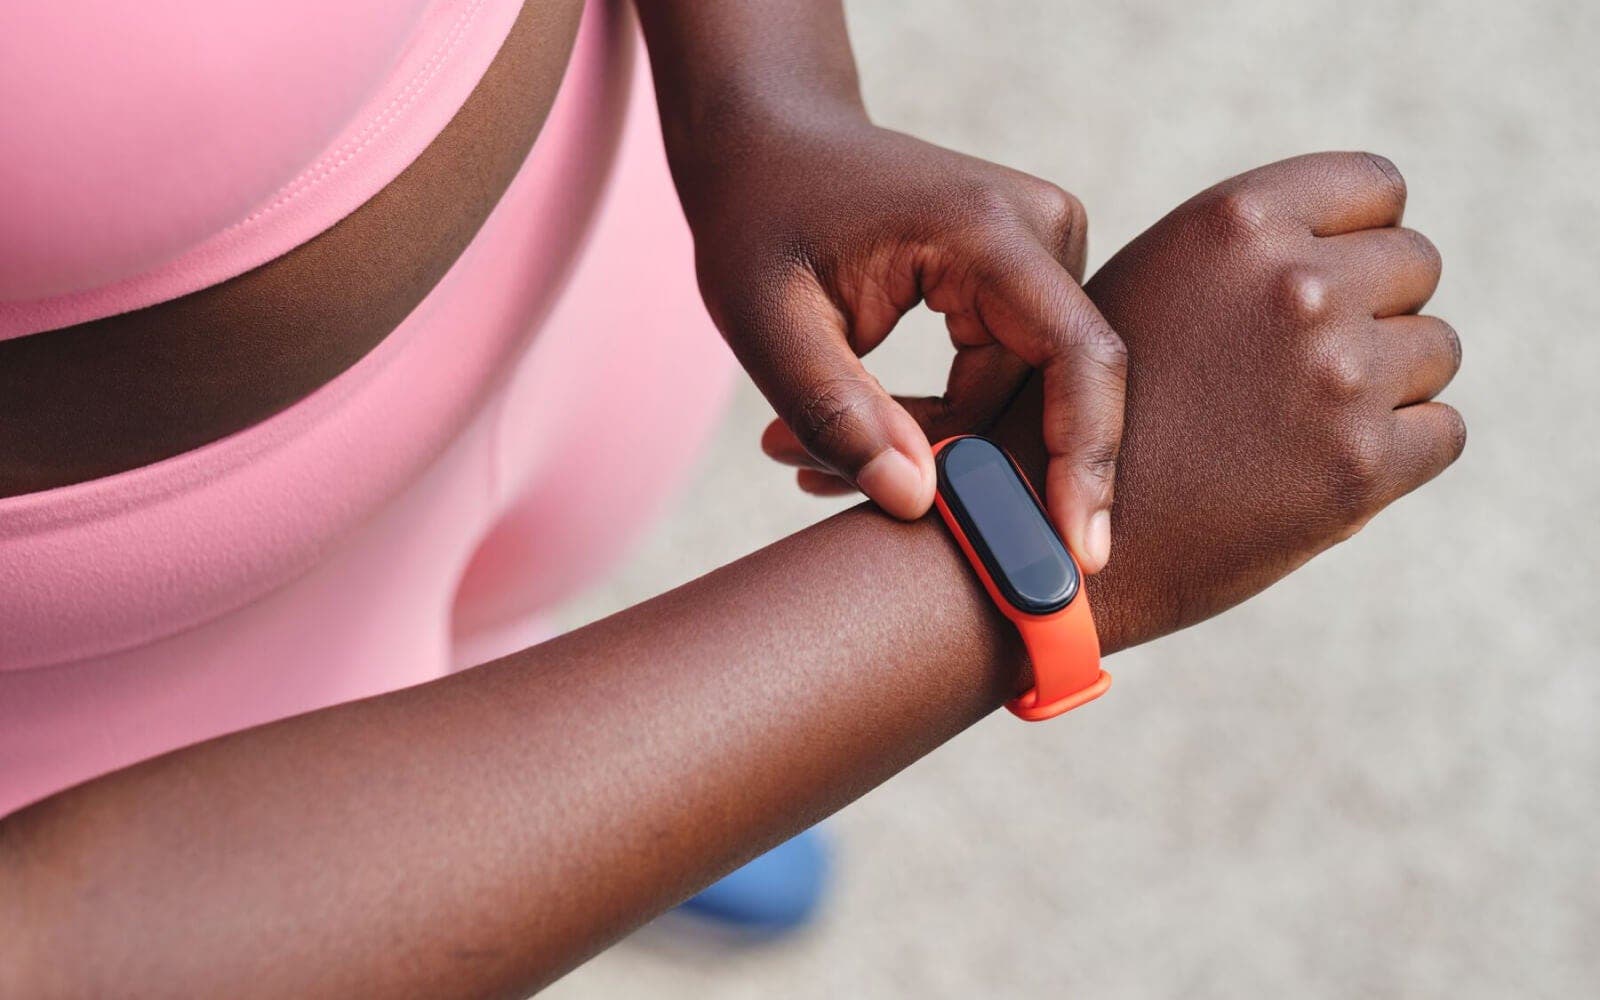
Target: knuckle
{"points": [[1062, 209], [1303, 294], [1090, 450], [1338, 375], [1359, 466], [1098, 466], [1102, 347], [1242, 212], [829, 413]]}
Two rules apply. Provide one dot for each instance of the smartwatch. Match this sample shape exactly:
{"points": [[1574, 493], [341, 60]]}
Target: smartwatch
{"points": [[1027, 569]]}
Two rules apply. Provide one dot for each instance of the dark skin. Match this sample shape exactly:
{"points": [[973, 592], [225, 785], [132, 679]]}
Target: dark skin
{"points": [[1334, 261], [482, 834], [117, 393], [815, 231]]}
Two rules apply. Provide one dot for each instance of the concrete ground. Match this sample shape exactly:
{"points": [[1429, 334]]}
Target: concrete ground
{"points": [[1380, 778]]}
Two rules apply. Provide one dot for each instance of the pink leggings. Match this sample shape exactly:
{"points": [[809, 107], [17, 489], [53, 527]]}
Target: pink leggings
{"points": [[498, 451]]}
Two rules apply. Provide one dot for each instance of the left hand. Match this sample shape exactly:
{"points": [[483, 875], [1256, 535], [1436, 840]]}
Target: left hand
{"points": [[1283, 388], [813, 242]]}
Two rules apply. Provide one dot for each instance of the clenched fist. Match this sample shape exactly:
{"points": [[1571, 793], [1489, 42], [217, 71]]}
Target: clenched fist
{"points": [[1280, 385]]}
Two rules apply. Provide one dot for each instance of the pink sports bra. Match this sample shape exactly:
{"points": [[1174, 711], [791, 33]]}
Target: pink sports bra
{"points": [[166, 147]]}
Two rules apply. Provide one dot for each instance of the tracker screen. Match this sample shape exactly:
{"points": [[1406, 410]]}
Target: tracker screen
{"points": [[1007, 527]]}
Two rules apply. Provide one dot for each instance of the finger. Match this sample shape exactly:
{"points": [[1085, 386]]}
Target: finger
{"points": [[1398, 268], [984, 378], [1330, 193], [836, 409], [1029, 304], [823, 484], [996, 378], [1059, 221], [1420, 355], [779, 444], [1428, 437]]}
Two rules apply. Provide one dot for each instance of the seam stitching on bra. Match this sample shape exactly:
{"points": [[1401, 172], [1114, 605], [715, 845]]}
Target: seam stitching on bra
{"points": [[393, 112]]}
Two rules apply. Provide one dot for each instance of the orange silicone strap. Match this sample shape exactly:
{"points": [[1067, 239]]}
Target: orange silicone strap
{"points": [[1063, 645]]}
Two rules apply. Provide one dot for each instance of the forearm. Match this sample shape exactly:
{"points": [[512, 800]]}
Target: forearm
{"points": [[486, 832]]}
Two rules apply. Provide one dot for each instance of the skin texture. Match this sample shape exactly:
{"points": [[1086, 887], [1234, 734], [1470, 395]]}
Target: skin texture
{"points": [[482, 834], [815, 231], [121, 392], [1318, 287]]}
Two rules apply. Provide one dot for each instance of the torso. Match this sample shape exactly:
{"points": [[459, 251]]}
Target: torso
{"points": [[102, 397]]}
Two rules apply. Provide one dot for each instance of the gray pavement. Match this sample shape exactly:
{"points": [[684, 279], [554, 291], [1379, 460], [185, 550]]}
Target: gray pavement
{"points": [[1382, 777]]}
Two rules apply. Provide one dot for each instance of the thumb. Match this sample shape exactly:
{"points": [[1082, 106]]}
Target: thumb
{"points": [[850, 424], [838, 410]]}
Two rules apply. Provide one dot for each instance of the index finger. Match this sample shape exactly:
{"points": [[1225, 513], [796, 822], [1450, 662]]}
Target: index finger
{"points": [[1033, 306]]}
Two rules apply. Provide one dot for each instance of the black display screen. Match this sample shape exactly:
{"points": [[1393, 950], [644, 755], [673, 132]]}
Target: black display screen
{"points": [[1006, 526]]}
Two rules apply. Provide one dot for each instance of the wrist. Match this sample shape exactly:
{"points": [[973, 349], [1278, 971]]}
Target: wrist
{"points": [[951, 595], [728, 124], [945, 596]]}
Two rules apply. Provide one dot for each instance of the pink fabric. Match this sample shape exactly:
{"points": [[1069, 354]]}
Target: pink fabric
{"points": [[318, 556], [152, 149], [129, 558]]}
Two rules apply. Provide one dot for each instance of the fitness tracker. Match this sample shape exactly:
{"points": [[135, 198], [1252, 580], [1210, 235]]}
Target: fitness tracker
{"points": [[1027, 569]]}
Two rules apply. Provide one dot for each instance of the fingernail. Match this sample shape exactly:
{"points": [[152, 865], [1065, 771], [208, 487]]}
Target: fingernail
{"points": [[1097, 540], [892, 480]]}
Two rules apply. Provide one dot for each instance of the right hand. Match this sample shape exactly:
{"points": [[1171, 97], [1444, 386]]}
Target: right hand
{"points": [[1279, 390], [812, 242]]}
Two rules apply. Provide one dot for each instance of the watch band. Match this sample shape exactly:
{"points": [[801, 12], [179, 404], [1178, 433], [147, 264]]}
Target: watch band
{"points": [[1062, 643]]}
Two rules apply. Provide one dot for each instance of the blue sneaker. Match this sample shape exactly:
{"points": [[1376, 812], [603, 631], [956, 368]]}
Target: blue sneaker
{"points": [[777, 892]]}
